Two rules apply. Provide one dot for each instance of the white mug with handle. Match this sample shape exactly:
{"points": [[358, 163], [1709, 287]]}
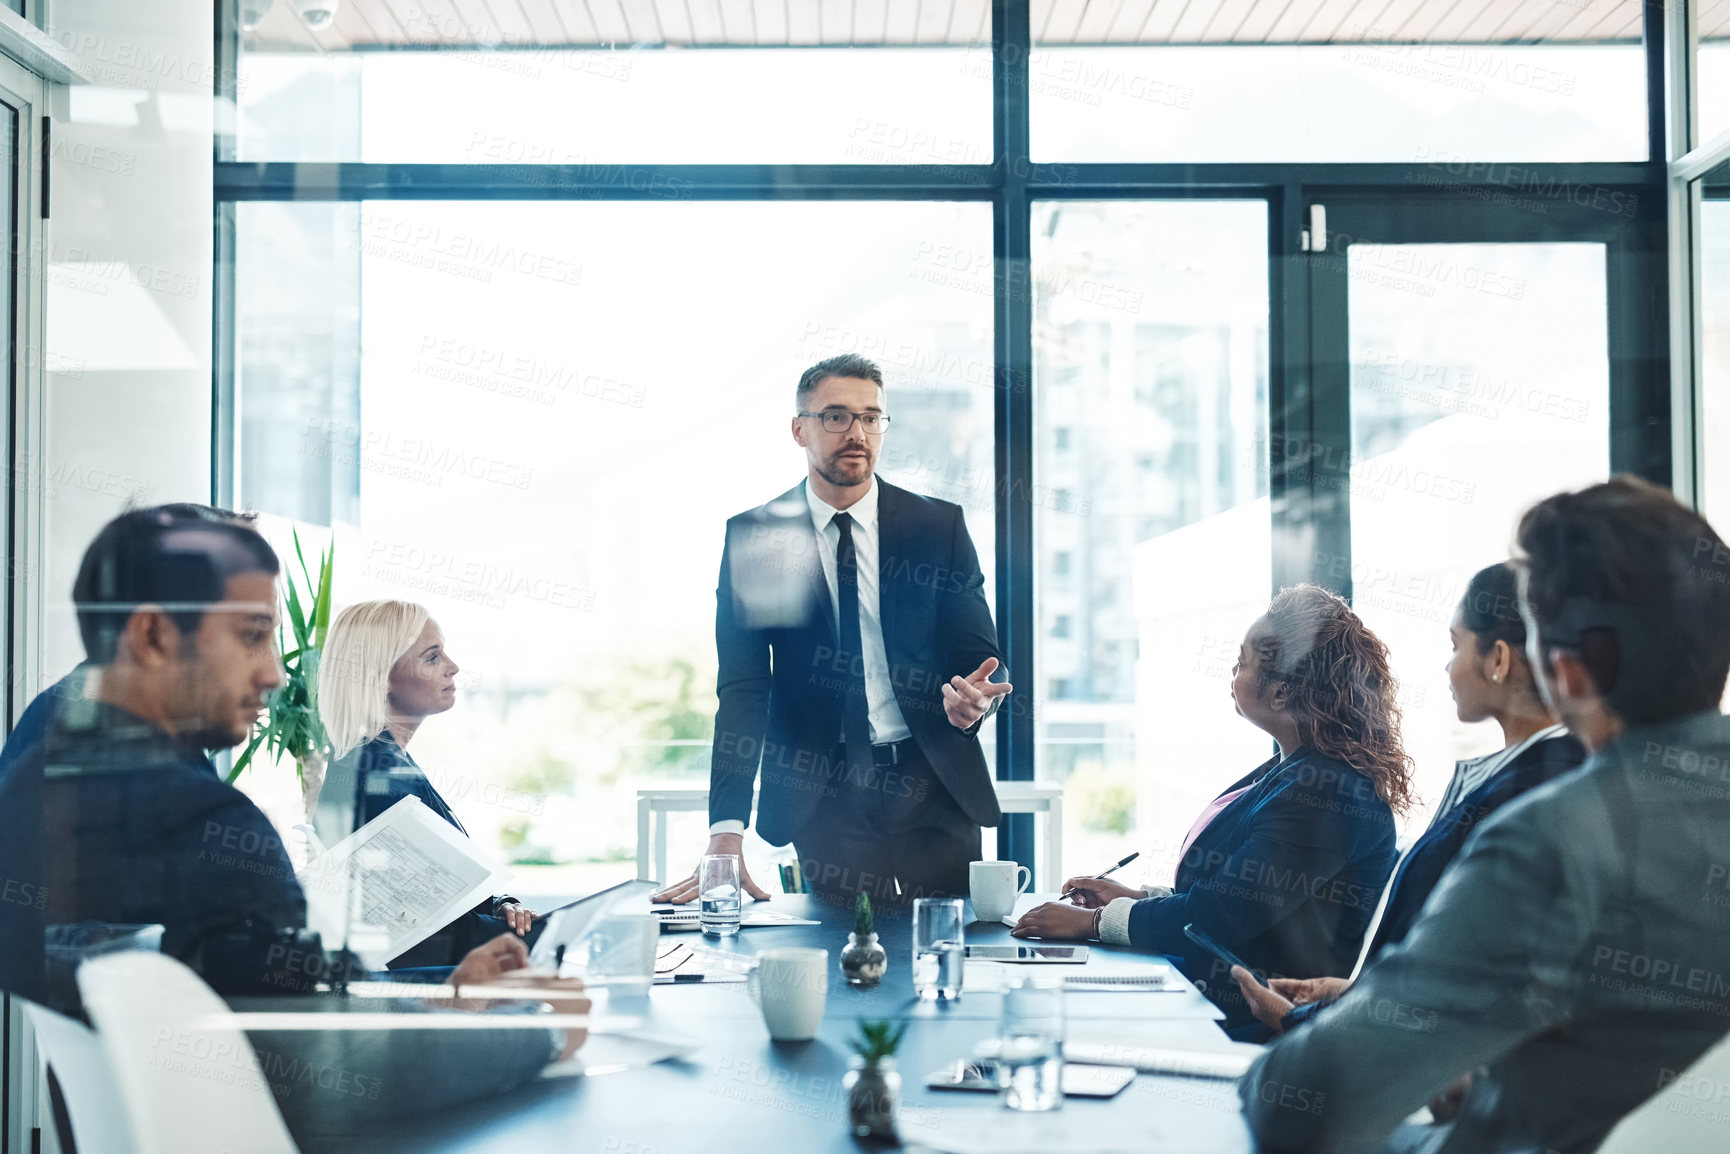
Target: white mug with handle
{"points": [[791, 987], [994, 887]]}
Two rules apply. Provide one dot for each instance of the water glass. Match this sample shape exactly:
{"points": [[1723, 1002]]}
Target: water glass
{"points": [[1030, 1043], [719, 895], [621, 953], [938, 946]]}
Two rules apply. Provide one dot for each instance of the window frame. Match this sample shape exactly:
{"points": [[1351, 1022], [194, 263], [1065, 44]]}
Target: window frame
{"points": [[1644, 389]]}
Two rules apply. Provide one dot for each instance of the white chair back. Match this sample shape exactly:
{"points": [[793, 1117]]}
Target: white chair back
{"points": [[1686, 1117], [87, 1084], [190, 1083]]}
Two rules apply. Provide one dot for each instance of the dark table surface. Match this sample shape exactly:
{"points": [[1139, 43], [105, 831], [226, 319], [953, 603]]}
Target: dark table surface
{"points": [[742, 1092]]}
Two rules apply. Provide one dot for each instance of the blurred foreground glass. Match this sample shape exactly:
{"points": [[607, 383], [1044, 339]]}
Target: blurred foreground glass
{"points": [[718, 894], [1151, 518], [621, 953], [938, 945], [1480, 384], [1030, 1040], [441, 381]]}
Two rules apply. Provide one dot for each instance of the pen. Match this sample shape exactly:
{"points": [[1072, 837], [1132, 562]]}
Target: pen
{"points": [[687, 977], [1106, 873]]}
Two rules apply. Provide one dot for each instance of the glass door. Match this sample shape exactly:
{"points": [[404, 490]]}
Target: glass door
{"points": [[1466, 358], [23, 1097]]}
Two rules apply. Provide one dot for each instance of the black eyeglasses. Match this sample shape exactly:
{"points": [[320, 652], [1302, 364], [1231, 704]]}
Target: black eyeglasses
{"points": [[840, 420]]}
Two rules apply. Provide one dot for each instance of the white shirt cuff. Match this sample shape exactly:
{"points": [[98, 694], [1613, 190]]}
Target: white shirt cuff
{"points": [[1114, 922], [731, 825], [1156, 891]]}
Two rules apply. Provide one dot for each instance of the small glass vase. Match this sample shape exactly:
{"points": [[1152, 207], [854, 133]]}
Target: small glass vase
{"points": [[873, 1097], [863, 963]]}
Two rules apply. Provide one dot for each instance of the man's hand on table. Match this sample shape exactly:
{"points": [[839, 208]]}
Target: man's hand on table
{"points": [[684, 891]]}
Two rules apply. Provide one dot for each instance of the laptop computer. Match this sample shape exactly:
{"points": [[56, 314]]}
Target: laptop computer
{"points": [[567, 926]]}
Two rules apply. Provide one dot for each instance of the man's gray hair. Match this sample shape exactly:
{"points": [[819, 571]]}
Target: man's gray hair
{"points": [[845, 365]]}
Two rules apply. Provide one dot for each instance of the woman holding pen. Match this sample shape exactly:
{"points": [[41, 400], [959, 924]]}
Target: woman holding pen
{"points": [[1283, 869]]}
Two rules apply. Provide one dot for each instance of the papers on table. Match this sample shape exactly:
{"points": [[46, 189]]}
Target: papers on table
{"points": [[994, 977], [395, 882], [678, 964], [679, 918], [991, 1130], [1230, 1063], [610, 1052]]}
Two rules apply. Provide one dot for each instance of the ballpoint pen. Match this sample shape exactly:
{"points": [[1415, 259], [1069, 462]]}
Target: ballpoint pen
{"points": [[1105, 873]]}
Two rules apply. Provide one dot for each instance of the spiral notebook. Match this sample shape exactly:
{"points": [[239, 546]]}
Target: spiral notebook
{"points": [[1153, 980]]}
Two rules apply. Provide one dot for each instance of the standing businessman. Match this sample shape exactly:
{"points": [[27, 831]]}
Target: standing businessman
{"points": [[856, 652]]}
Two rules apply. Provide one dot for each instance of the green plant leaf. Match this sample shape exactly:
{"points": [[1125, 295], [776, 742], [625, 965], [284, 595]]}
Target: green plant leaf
{"points": [[245, 758]]}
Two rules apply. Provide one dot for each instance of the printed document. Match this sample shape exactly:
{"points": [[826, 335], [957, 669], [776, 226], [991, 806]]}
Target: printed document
{"points": [[395, 882]]}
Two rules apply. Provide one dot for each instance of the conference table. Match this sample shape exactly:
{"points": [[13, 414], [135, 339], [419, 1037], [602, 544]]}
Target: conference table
{"points": [[740, 1091]]}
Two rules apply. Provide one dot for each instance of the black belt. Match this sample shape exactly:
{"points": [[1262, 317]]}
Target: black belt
{"points": [[893, 754]]}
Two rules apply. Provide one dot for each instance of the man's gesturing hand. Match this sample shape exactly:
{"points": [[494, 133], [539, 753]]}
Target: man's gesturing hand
{"points": [[966, 699], [684, 891]]}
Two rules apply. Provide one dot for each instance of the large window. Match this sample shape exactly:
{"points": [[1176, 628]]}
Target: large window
{"points": [[1218, 81], [536, 419], [1151, 513], [585, 249], [1479, 385]]}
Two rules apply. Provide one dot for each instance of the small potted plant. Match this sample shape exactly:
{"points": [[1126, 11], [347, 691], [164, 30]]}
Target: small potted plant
{"points": [[872, 1084], [864, 961]]}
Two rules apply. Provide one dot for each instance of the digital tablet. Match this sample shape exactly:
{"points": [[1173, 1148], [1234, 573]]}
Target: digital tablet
{"points": [[567, 925], [1048, 954], [1079, 1081]]}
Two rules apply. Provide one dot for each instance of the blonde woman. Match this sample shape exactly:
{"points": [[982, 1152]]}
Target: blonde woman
{"points": [[384, 671]]}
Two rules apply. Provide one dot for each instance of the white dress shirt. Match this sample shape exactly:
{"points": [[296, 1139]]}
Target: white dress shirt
{"points": [[887, 725]]}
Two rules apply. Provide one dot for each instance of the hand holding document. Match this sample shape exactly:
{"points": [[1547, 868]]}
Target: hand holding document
{"points": [[396, 881]]}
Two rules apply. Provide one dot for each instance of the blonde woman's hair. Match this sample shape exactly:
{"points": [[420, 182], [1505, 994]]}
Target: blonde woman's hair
{"points": [[365, 640]]}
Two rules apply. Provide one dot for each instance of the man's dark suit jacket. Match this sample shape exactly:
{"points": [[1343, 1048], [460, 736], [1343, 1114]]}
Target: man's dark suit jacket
{"points": [[1286, 877], [1573, 955], [781, 673], [107, 818]]}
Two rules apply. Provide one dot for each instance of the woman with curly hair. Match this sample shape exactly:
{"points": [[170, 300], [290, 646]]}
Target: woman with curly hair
{"points": [[1285, 867]]}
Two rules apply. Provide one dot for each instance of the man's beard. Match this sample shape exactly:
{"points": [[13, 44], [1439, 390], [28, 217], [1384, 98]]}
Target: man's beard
{"points": [[830, 471]]}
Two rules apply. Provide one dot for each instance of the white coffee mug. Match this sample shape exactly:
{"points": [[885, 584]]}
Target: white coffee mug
{"points": [[995, 885], [791, 987]]}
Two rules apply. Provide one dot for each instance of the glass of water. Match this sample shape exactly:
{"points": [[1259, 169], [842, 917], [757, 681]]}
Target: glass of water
{"points": [[718, 894], [1030, 1043], [937, 948]]}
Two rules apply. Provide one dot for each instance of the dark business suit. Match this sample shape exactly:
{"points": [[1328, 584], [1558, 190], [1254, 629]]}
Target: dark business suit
{"points": [[1573, 955], [781, 682], [1432, 853], [1423, 865], [361, 785], [110, 819], [1286, 877]]}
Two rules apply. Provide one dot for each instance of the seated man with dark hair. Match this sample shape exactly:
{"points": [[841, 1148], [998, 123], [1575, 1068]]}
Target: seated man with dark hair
{"points": [[116, 815], [1574, 955]]}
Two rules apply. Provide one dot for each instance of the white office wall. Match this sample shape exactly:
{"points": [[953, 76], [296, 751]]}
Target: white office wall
{"points": [[128, 256]]}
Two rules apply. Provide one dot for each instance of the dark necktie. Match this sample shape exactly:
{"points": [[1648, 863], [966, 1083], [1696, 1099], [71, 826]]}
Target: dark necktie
{"points": [[855, 724]]}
